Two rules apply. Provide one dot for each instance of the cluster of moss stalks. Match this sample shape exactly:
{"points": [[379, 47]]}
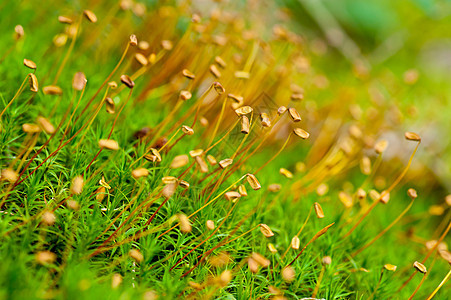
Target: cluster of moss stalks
{"points": [[197, 164]]}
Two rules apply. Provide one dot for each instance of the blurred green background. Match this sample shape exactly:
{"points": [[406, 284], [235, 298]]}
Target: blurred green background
{"points": [[395, 41]]}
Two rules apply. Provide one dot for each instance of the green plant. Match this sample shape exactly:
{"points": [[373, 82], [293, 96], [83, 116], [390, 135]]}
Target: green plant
{"points": [[192, 175]]}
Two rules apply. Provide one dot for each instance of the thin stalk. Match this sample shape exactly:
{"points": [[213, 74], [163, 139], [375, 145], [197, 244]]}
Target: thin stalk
{"points": [[385, 230], [19, 91], [318, 282], [439, 286], [275, 155], [244, 138], [222, 138], [418, 286], [218, 122], [123, 211], [112, 128], [73, 113], [69, 51], [93, 117], [24, 147], [373, 170], [427, 255], [105, 82], [400, 177], [314, 238], [377, 285], [30, 148], [299, 232], [166, 120], [201, 257]]}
